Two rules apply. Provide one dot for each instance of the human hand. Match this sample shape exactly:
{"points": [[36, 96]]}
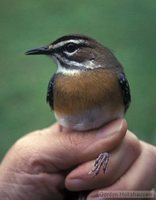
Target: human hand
{"points": [[139, 176], [37, 164]]}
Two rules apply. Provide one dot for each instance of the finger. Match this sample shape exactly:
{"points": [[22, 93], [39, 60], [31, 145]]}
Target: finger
{"points": [[41, 158], [120, 160], [88, 145], [51, 150], [140, 176]]}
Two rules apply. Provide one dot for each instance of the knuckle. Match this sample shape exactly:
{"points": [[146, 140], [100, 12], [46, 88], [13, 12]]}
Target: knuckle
{"points": [[133, 144]]}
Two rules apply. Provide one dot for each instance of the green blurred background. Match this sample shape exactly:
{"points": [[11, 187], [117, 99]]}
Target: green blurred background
{"points": [[128, 27]]}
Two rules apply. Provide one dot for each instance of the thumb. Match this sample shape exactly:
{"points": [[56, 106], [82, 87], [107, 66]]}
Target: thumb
{"points": [[80, 147], [53, 149]]}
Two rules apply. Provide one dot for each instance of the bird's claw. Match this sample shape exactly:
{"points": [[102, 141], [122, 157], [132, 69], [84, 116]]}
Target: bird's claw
{"points": [[101, 161]]}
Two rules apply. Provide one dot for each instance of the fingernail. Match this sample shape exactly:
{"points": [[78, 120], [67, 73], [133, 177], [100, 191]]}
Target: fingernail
{"points": [[76, 183], [111, 129]]}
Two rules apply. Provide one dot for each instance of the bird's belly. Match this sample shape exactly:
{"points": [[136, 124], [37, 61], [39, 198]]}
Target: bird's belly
{"points": [[91, 119]]}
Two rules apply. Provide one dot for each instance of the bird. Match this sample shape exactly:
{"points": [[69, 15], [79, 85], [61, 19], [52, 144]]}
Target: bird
{"points": [[89, 88]]}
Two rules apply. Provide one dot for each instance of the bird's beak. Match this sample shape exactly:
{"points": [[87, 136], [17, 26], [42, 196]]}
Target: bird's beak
{"points": [[39, 51]]}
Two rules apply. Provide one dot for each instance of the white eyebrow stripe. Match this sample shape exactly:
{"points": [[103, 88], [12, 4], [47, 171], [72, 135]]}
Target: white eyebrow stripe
{"points": [[80, 41]]}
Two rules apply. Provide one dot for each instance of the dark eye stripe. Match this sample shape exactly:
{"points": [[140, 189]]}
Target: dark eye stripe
{"points": [[65, 47]]}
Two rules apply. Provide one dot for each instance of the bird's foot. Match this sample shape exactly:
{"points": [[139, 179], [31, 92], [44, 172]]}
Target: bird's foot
{"points": [[101, 161]]}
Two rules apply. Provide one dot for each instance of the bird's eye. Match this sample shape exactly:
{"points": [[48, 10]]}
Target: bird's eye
{"points": [[71, 47]]}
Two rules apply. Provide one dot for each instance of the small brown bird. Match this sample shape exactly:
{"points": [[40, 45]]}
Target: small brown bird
{"points": [[89, 88]]}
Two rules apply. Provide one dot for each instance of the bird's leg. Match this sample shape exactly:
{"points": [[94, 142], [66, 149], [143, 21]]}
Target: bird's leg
{"points": [[101, 161]]}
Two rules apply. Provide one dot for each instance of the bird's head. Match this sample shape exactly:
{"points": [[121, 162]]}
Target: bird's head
{"points": [[75, 53]]}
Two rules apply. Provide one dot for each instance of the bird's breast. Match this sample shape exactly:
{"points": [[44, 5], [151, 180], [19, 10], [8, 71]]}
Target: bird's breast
{"points": [[94, 88], [86, 95]]}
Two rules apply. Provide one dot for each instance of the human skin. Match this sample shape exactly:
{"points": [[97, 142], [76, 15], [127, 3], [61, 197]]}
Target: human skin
{"points": [[43, 163]]}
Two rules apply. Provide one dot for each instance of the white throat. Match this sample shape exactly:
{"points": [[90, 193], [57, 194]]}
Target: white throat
{"points": [[67, 71]]}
